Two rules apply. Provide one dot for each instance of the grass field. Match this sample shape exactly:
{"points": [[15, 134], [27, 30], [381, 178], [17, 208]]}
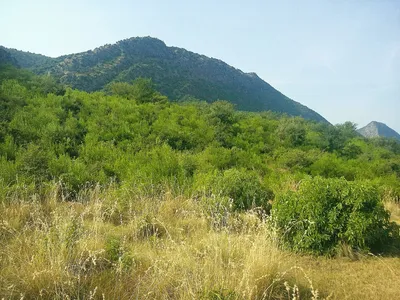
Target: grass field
{"points": [[114, 244]]}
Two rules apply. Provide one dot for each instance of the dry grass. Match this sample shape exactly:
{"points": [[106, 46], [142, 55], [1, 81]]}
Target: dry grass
{"points": [[394, 208], [112, 245]]}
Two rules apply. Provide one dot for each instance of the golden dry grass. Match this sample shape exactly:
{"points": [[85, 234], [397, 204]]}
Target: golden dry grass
{"points": [[394, 208], [113, 245]]}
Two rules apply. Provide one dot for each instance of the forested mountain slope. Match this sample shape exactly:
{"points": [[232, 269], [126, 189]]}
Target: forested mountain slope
{"points": [[6, 58], [177, 73]]}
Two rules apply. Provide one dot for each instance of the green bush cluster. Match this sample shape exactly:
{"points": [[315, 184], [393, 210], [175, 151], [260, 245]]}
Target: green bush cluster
{"points": [[131, 136], [324, 214], [242, 187]]}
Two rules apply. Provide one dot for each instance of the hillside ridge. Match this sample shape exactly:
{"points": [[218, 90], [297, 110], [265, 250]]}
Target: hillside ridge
{"points": [[176, 72]]}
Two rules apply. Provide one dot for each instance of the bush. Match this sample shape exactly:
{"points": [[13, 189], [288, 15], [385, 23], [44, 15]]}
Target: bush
{"points": [[296, 159], [327, 213], [330, 166], [242, 186], [292, 132], [33, 163]]}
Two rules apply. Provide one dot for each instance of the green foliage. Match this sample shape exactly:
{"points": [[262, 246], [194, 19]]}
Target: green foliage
{"points": [[330, 166], [113, 249], [223, 117], [337, 136], [142, 90], [326, 213], [41, 85], [10, 72], [351, 150], [222, 112], [183, 128], [131, 136], [73, 174], [116, 253], [122, 89], [292, 132], [8, 171], [176, 73], [8, 149], [243, 187], [32, 163], [296, 159]]}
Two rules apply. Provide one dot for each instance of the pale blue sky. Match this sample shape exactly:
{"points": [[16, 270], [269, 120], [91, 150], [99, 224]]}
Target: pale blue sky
{"points": [[338, 57]]}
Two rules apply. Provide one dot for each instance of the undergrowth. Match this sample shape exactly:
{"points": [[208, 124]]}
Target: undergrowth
{"points": [[115, 244]]}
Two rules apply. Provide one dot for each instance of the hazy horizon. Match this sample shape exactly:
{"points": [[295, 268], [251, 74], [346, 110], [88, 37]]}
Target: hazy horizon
{"points": [[339, 58]]}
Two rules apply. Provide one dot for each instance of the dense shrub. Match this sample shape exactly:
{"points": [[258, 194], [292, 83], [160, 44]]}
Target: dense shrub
{"points": [[242, 187], [326, 213], [292, 132], [330, 166], [296, 159], [33, 163], [130, 135]]}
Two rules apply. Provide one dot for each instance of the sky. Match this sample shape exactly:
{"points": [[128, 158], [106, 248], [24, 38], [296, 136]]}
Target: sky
{"points": [[340, 58]]}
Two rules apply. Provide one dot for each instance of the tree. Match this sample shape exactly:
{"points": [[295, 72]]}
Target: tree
{"points": [[323, 214], [142, 90], [222, 116], [292, 132]]}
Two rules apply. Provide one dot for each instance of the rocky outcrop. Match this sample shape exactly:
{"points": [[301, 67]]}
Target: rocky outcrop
{"points": [[377, 129]]}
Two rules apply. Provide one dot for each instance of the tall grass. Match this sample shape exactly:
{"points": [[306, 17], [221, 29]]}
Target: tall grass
{"points": [[127, 244]]}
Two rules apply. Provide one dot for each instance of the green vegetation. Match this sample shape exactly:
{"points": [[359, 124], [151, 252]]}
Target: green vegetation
{"points": [[325, 214], [122, 194], [132, 136], [177, 73]]}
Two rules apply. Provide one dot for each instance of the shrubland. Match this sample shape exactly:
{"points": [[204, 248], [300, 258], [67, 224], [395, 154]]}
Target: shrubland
{"points": [[124, 194]]}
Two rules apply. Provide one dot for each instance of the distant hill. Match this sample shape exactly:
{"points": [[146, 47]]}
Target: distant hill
{"points": [[177, 73], [35, 62], [377, 129], [7, 59]]}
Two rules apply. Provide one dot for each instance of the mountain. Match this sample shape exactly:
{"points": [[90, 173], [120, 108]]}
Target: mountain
{"points": [[7, 58], [35, 62], [377, 129], [176, 72]]}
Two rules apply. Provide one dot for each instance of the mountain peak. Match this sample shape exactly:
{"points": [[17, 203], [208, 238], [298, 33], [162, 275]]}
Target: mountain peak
{"points": [[252, 74], [143, 39], [378, 129], [376, 123]]}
